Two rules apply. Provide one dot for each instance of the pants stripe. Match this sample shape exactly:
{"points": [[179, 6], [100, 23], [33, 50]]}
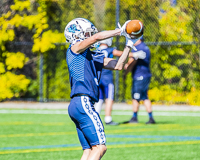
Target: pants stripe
{"points": [[95, 119], [110, 91]]}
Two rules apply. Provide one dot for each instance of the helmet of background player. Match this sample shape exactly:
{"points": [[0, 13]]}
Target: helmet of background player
{"points": [[78, 30], [107, 41]]}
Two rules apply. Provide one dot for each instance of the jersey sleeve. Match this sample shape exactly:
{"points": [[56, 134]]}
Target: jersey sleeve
{"points": [[111, 52], [98, 59]]}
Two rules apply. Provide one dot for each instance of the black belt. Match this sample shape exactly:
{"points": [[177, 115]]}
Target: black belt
{"points": [[79, 94]]}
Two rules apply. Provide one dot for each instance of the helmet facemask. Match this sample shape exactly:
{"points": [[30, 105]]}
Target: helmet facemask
{"points": [[90, 32]]}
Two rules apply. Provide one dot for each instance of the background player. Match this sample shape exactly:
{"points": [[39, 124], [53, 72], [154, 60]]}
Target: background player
{"points": [[106, 85], [141, 75], [84, 70]]}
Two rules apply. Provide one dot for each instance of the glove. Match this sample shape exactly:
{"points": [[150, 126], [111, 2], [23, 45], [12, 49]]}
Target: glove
{"points": [[123, 29], [131, 42], [139, 55]]}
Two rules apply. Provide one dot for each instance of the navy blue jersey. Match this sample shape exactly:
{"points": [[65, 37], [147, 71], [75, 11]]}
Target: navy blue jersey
{"points": [[106, 75], [142, 67], [84, 72]]}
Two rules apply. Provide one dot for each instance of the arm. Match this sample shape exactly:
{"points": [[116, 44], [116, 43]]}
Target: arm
{"points": [[118, 53], [135, 55], [129, 66], [112, 64], [118, 65], [83, 45]]}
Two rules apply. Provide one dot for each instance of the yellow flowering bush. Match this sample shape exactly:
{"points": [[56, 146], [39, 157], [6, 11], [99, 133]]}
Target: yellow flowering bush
{"points": [[47, 41], [11, 84], [2, 68], [15, 60], [165, 95], [193, 97]]}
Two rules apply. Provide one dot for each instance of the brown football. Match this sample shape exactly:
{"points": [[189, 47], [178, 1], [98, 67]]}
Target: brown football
{"points": [[134, 27]]}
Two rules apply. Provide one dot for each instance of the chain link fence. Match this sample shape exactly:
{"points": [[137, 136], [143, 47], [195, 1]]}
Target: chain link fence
{"points": [[175, 62]]}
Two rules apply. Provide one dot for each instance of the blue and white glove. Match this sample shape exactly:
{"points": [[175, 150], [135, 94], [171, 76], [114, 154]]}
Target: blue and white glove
{"points": [[130, 42], [139, 55], [123, 29]]}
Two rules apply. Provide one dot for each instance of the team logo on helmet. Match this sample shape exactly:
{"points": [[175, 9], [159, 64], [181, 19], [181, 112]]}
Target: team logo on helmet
{"points": [[72, 28]]}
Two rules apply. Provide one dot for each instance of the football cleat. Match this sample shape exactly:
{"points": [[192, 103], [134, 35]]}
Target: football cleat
{"points": [[133, 120], [151, 121], [112, 123]]}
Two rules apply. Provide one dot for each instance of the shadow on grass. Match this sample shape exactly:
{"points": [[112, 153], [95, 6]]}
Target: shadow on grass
{"points": [[157, 122]]}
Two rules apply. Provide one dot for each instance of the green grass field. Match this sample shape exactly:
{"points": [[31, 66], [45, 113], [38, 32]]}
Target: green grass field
{"points": [[52, 136]]}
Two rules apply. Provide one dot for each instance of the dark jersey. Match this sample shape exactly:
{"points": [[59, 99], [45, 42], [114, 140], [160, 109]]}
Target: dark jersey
{"points": [[142, 67], [84, 72], [106, 75]]}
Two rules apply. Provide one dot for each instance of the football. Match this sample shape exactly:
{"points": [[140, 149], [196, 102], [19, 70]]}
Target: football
{"points": [[134, 27]]}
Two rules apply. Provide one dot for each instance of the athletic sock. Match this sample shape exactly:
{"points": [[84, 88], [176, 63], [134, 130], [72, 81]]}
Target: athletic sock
{"points": [[150, 115], [135, 114], [108, 119]]}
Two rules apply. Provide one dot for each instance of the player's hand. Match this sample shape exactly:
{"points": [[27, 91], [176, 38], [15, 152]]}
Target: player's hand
{"points": [[131, 42], [139, 55], [123, 28], [125, 66]]}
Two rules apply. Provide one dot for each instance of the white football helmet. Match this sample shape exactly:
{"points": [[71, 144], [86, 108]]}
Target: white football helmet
{"points": [[79, 29], [107, 41]]}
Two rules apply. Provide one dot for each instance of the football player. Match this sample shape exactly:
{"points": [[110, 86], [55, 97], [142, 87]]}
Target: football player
{"points": [[141, 78], [85, 68], [106, 85]]}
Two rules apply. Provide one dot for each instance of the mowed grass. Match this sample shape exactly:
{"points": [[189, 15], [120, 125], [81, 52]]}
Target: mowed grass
{"points": [[53, 137]]}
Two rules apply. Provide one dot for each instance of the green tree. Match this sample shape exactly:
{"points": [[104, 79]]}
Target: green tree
{"points": [[172, 65]]}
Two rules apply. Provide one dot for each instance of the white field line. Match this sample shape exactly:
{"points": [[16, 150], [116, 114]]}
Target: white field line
{"points": [[5, 111], [143, 113]]}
